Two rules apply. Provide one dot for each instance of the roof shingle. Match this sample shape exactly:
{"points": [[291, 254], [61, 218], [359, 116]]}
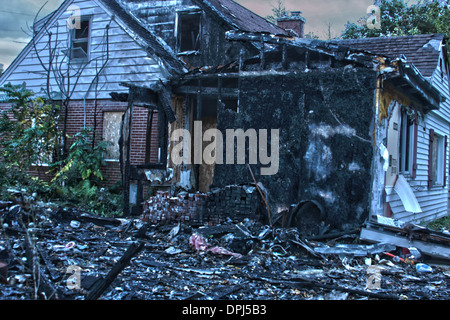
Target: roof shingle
{"points": [[420, 50], [243, 18]]}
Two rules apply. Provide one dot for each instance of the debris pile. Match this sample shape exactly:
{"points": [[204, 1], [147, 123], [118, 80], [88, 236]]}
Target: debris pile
{"points": [[48, 252]]}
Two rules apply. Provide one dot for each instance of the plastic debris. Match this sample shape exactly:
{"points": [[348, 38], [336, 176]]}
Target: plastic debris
{"points": [[422, 267], [199, 243], [75, 224], [173, 250]]}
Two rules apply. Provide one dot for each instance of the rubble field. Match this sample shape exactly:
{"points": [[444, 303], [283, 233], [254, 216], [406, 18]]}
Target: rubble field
{"points": [[64, 254]]}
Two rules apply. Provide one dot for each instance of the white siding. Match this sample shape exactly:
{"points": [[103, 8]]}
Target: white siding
{"points": [[127, 61], [434, 201]]}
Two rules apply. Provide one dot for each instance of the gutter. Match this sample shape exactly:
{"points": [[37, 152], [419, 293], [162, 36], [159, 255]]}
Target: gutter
{"points": [[408, 80], [413, 76]]}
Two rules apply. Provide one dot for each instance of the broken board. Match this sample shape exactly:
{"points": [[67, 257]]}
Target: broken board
{"points": [[372, 234]]}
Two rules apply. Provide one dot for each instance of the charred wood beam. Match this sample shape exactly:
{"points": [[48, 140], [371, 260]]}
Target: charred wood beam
{"points": [[127, 144], [284, 62], [262, 55], [102, 285], [238, 75], [323, 47], [198, 117], [163, 137], [43, 286], [133, 249], [117, 96], [219, 89], [158, 94], [207, 91]]}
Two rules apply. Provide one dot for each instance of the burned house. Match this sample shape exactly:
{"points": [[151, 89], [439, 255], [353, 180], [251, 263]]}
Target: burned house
{"points": [[91, 55], [203, 95], [333, 106]]}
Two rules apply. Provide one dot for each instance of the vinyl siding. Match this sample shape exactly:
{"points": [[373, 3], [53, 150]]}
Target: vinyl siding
{"points": [[433, 201]]}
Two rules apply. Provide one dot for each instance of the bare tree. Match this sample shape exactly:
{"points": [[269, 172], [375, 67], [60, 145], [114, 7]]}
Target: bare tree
{"points": [[59, 69], [329, 34]]}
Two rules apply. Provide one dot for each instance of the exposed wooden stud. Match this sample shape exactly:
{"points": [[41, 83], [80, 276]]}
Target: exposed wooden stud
{"points": [[284, 57], [262, 56]]}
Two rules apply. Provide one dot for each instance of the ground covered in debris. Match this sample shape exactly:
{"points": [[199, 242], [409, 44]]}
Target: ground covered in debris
{"points": [[55, 253]]}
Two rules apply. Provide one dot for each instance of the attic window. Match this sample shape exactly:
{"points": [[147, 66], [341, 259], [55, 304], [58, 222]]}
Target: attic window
{"points": [[79, 38], [188, 31]]}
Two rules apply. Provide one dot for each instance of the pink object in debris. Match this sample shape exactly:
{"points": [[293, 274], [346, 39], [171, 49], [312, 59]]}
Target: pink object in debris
{"points": [[199, 243]]}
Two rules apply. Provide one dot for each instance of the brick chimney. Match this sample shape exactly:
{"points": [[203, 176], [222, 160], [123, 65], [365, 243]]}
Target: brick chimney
{"points": [[294, 23]]}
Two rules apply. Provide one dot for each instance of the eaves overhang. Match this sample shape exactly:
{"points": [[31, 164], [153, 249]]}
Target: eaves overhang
{"points": [[408, 80]]}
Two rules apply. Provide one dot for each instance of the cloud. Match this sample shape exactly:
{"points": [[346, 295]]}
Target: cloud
{"points": [[10, 48], [15, 20], [317, 13]]}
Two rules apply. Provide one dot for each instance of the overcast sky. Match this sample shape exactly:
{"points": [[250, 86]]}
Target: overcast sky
{"points": [[318, 14]]}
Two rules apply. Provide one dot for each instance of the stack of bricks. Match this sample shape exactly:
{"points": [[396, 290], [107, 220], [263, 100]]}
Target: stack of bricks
{"points": [[212, 208], [162, 208]]}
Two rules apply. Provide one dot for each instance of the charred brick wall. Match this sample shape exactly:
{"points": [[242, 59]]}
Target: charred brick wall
{"points": [[231, 202], [325, 122]]}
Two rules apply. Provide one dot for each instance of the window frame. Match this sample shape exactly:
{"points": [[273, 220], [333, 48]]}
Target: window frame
{"points": [[73, 40], [408, 145], [178, 33], [437, 159]]}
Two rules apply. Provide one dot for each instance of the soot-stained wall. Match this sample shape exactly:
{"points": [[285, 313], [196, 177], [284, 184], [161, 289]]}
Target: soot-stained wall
{"points": [[325, 122]]}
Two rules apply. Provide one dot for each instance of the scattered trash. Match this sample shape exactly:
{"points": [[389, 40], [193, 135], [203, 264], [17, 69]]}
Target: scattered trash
{"points": [[75, 224], [414, 254], [357, 250], [198, 243], [172, 250], [114, 259], [174, 231], [70, 245], [406, 235], [422, 267]]}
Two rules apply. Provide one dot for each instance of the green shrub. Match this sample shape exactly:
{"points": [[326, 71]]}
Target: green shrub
{"points": [[29, 136]]}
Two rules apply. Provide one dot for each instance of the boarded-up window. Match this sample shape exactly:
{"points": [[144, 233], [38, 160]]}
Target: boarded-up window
{"points": [[111, 132]]}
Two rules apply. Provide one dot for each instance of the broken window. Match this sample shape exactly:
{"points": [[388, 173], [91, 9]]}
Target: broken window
{"points": [[111, 132], [229, 93], [408, 145], [79, 40], [188, 31]]}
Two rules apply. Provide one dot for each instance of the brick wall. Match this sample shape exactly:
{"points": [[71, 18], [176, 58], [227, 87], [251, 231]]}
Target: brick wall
{"points": [[139, 136]]}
